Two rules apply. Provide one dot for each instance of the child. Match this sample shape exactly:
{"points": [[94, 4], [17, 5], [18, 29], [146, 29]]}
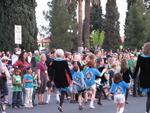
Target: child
{"points": [[118, 89], [90, 74], [78, 80], [17, 89], [28, 84]]}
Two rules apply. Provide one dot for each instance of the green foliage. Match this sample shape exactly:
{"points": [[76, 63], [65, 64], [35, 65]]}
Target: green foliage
{"points": [[111, 26], [18, 12], [62, 24], [97, 38], [137, 26], [96, 21]]}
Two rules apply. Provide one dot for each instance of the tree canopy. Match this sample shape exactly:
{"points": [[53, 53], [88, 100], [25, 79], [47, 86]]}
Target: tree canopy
{"points": [[62, 24], [18, 12], [111, 26], [137, 26]]}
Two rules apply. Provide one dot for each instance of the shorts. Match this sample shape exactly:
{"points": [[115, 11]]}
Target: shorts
{"points": [[119, 98], [91, 87], [41, 89]]}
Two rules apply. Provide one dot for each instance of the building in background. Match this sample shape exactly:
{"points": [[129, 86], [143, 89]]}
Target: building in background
{"points": [[44, 43]]}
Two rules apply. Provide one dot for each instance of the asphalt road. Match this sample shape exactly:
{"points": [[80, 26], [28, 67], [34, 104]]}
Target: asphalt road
{"points": [[136, 105]]}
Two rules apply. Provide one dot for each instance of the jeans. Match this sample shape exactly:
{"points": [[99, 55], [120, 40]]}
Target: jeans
{"points": [[17, 98]]}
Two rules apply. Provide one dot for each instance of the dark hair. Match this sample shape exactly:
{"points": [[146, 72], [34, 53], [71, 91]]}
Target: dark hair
{"points": [[117, 77], [17, 69], [28, 68], [21, 56]]}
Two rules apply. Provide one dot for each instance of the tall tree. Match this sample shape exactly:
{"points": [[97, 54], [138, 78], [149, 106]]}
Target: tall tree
{"points": [[61, 24], [79, 4], [96, 21], [130, 3], [72, 11], [18, 12], [111, 26], [137, 26]]}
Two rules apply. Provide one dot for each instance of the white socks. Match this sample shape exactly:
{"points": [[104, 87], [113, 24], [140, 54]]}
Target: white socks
{"points": [[92, 105], [57, 97], [121, 110], [48, 98]]}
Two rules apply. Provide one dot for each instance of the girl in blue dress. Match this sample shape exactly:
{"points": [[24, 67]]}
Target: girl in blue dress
{"points": [[78, 81], [118, 90]]}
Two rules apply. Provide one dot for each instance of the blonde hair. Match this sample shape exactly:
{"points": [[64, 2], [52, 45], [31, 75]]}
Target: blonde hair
{"points": [[146, 49]]}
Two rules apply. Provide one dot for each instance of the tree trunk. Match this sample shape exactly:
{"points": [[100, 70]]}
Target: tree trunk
{"points": [[80, 40], [87, 23]]}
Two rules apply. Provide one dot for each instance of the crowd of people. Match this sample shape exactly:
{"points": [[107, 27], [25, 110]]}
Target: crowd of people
{"points": [[85, 77]]}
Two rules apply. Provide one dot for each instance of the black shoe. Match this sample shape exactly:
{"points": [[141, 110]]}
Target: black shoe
{"points": [[134, 95], [80, 107], [34, 104], [99, 103], [60, 109], [126, 102], [18, 106]]}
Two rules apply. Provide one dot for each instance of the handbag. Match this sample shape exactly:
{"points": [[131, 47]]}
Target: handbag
{"points": [[68, 78]]}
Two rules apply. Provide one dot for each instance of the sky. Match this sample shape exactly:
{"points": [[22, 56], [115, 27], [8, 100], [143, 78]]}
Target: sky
{"points": [[42, 5]]}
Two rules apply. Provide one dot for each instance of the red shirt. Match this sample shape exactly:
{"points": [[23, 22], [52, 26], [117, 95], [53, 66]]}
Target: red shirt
{"points": [[22, 66]]}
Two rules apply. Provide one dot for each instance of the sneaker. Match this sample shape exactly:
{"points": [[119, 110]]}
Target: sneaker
{"points": [[60, 109], [80, 107], [47, 102], [6, 102], [92, 106]]}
